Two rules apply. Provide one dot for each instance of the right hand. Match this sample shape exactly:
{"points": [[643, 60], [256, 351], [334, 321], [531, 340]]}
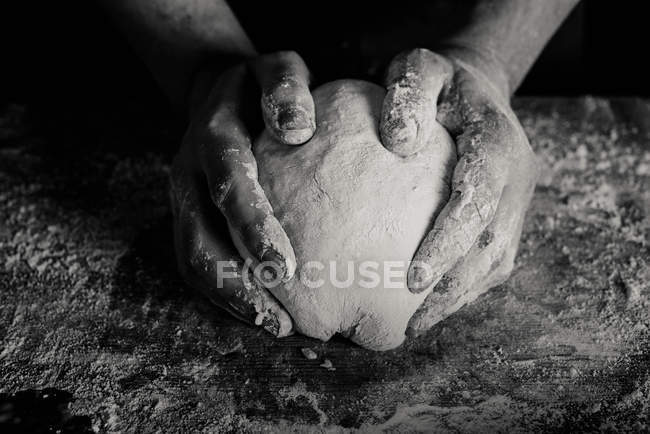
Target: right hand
{"points": [[221, 214], [474, 239]]}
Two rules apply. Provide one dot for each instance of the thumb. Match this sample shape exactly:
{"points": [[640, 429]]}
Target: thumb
{"points": [[287, 104], [413, 81]]}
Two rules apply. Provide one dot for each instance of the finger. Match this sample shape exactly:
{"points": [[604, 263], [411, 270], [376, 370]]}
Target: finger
{"points": [[209, 263], [231, 172], [488, 263], [287, 105], [414, 81], [472, 276], [485, 148]]}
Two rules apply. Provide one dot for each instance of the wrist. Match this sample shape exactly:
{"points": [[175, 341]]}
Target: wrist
{"points": [[481, 62]]}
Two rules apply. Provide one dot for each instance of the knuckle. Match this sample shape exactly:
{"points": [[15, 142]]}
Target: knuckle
{"points": [[490, 129], [221, 118]]}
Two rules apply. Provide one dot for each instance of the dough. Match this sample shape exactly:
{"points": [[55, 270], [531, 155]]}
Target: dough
{"points": [[343, 199]]}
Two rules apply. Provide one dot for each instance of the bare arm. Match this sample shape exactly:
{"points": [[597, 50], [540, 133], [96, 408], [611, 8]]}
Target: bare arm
{"points": [[466, 87], [175, 37], [504, 37]]}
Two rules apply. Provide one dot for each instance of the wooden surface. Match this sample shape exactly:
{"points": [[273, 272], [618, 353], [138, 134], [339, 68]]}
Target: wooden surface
{"points": [[98, 332]]}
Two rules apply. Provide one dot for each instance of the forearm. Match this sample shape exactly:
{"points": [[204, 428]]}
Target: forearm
{"points": [[504, 37], [175, 37]]}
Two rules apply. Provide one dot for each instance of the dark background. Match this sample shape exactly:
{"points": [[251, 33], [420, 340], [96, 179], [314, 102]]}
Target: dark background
{"points": [[68, 54]]}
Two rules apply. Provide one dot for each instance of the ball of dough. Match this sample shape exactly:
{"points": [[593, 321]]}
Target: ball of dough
{"points": [[355, 214]]}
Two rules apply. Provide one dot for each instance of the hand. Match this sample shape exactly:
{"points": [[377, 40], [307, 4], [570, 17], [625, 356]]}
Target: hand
{"points": [[474, 239], [221, 214]]}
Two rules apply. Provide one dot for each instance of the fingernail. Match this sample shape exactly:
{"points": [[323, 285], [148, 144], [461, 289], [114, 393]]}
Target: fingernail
{"points": [[400, 137], [419, 279], [405, 131], [412, 333], [271, 324], [294, 118], [277, 259], [278, 328], [259, 319], [285, 326]]}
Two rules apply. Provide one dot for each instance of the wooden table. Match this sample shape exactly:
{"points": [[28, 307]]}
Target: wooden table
{"points": [[98, 332]]}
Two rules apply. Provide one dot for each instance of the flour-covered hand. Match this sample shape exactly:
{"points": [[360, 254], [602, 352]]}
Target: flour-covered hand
{"points": [[472, 243]]}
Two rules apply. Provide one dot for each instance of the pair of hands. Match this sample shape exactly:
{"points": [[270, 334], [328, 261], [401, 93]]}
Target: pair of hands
{"points": [[473, 242]]}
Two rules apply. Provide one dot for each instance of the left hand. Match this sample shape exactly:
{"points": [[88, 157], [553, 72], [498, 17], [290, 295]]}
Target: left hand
{"points": [[472, 244]]}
